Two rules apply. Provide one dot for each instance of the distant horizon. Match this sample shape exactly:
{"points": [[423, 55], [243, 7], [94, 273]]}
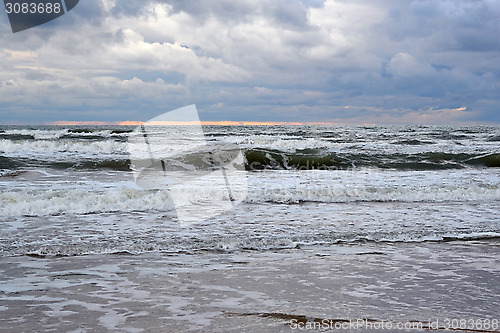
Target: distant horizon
{"points": [[239, 123]]}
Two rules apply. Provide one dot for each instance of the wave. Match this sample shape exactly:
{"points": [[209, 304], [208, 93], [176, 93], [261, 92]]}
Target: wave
{"points": [[83, 201], [60, 147], [489, 160], [10, 173], [16, 137], [114, 155], [414, 142], [494, 138], [344, 193], [7, 163], [118, 165], [317, 159], [37, 134], [65, 133], [173, 239], [267, 148], [57, 202], [12, 166]]}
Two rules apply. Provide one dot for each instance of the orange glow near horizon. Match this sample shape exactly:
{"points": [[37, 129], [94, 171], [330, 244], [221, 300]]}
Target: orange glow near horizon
{"points": [[76, 123], [208, 123], [187, 123]]}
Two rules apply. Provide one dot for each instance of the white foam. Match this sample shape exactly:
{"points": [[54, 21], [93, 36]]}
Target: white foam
{"points": [[342, 193], [278, 187], [346, 143], [9, 173], [42, 203], [103, 133], [49, 148], [85, 200], [39, 134], [373, 186]]}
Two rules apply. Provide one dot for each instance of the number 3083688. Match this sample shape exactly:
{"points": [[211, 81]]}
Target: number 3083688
{"points": [[33, 8]]}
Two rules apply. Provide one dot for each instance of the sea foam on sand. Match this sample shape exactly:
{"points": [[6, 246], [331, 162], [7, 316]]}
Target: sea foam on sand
{"points": [[252, 291]]}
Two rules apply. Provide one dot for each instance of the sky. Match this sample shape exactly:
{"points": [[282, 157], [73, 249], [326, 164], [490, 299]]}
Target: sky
{"points": [[338, 61]]}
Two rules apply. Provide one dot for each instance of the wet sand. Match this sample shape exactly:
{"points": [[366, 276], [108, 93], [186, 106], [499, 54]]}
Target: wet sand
{"points": [[252, 291]]}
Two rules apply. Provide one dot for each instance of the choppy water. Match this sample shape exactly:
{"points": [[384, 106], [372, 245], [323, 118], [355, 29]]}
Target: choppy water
{"points": [[70, 190]]}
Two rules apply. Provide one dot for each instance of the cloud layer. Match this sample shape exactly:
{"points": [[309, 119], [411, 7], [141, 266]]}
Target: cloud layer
{"points": [[357, 61]]}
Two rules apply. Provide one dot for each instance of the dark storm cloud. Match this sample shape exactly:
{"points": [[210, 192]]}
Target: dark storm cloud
{"points": [[225, 10], [127, 8], [283, 60], [290, 14], [89, 10]]}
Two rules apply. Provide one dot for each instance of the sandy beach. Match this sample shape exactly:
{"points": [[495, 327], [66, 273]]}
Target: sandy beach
{"points": [[252, 291]]}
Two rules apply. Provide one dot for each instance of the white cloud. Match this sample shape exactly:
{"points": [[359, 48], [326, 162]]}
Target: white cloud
{"points": [[405, 65]]}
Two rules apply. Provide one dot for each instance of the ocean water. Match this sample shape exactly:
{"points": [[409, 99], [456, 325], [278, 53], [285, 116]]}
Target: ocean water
{"points": [[68, 199]]}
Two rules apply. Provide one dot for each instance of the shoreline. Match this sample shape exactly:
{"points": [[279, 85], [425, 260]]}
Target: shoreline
{"points": [[251, 290]]}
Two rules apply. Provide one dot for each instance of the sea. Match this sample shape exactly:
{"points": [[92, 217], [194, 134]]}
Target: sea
{"points": [[341, 227]]}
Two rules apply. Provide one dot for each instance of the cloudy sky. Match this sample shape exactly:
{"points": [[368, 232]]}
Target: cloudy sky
{"points": [[342, 61]]}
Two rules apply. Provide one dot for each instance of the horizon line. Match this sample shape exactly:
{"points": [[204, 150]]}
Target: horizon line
{"points": [[187, 123]]}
